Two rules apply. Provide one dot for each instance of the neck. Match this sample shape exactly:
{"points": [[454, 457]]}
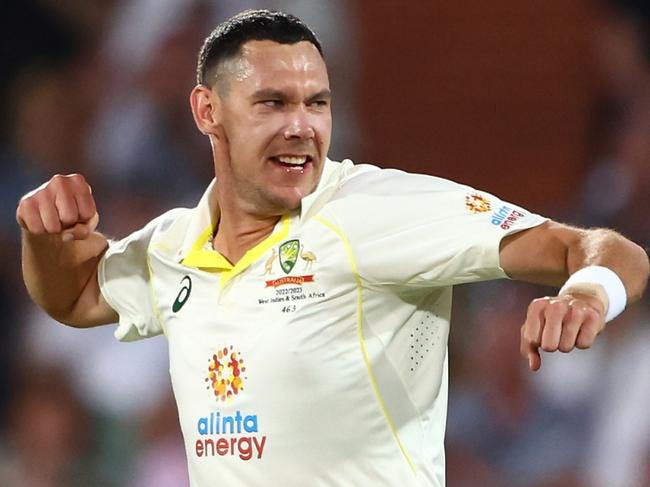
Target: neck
{"points": [[238, 232]]}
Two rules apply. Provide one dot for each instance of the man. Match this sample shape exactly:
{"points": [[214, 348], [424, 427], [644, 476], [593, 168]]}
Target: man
{"points": [[306, 302]]}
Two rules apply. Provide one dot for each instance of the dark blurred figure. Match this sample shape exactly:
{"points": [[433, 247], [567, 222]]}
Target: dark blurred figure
{"points": [[47, 441], [615, 192], [48, 82], [47, 40], [47, 33]]}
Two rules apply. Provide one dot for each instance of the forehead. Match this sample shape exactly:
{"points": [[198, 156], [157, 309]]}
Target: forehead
{"points": [[263, 63]]}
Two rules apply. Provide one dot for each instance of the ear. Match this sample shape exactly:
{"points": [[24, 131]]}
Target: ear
{"points": [[206, 109]]}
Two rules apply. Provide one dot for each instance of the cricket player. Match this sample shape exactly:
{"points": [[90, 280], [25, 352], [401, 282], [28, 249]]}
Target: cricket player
{"points": [[306, 302]]}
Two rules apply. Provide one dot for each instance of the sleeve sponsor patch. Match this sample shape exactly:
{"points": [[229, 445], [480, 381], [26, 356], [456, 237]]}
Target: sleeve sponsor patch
{"points": [[477, 203], [505, 217]]}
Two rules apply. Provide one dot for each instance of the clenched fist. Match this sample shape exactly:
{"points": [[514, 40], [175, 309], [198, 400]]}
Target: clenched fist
{"points": [[560, 323], [62, 206]]}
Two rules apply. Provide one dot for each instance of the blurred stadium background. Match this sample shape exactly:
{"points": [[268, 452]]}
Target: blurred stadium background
{"points": [[546, 104]]}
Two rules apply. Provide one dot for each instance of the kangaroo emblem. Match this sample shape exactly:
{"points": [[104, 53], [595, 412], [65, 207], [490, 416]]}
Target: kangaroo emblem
{"points": [[268, 266]]}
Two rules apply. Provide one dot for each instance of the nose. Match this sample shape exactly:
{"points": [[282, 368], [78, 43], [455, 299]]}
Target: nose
{"points": [[299, 126]]}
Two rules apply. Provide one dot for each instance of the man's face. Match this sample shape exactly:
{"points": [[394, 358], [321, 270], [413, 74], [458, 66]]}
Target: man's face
{"points": [[277, 122]]}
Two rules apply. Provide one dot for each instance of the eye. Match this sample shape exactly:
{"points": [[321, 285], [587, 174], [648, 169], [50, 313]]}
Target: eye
{"points": [[272, 103], [318, 103]]}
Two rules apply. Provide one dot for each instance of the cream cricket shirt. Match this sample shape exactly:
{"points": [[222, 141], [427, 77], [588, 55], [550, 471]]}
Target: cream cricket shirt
{"points": [[319, 359]]}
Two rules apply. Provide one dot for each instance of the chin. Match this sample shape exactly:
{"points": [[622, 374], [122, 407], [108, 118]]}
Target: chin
{"points": [[285, 203]]}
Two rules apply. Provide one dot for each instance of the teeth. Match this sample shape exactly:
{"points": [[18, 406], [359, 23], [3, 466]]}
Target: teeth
{"points": [[294, 160]]}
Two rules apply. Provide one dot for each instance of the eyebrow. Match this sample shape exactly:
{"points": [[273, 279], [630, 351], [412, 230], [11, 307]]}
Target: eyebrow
{"points": [[270, 93], [322, 95]]}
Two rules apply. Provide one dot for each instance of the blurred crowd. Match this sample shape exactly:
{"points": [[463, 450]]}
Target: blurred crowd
{"points": [[100, 87]]}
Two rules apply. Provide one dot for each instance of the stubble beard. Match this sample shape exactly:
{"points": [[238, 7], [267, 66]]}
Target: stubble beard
{"points": [[264, 203]]}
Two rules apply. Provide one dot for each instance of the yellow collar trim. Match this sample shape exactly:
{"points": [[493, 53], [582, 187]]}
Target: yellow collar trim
{"points": [[212, 260], [204, 258]]}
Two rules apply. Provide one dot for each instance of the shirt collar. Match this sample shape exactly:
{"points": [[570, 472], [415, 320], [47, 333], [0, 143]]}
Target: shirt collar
{"points": [[205, 215]]}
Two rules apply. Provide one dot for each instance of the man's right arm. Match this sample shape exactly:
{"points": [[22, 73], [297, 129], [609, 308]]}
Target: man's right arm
{"points": [[61, 251]]}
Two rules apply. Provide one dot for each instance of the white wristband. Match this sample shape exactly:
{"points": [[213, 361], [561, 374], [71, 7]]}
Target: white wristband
{"points": [[585, 279]]}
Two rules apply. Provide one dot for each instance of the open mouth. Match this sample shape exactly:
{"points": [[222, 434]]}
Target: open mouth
{"points": [[293, 161]]}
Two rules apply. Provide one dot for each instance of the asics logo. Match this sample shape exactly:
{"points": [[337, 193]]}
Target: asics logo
{"points": [[183, 294]]}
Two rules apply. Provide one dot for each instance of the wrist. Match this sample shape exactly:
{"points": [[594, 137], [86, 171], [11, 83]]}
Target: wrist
{"points": [[599, 282]]}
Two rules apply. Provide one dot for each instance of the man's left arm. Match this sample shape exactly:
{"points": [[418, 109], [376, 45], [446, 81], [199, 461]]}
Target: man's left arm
{"points": [[549, 254]]}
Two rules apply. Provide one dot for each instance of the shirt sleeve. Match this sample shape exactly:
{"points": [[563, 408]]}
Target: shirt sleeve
{"points": [[125, 283], [416, 230]]}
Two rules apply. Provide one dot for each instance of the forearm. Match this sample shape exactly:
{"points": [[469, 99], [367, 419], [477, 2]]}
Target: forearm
{"points": [[602, 247], [56, 273], [550, 253]]}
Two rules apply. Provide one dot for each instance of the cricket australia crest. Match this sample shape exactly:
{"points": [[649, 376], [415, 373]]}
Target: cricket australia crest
{"points": [[289, 255]]}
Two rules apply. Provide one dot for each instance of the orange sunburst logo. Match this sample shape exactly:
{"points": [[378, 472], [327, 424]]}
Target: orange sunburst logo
{"points": [[225, 370], [477, 203]]}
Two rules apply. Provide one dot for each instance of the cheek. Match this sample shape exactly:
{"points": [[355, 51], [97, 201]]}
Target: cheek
{"points": [[324, 130], [254, 135]]}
